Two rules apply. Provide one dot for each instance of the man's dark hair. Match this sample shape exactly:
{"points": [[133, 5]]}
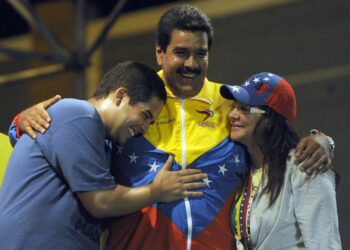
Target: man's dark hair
{"points": [[184, 17], [141, 81]]}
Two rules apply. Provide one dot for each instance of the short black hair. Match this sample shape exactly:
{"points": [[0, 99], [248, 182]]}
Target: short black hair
{"points": [[183, 17], [141, 81]]}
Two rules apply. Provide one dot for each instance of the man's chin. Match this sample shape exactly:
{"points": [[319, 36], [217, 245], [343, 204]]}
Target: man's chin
{"points": [[188, 92]]}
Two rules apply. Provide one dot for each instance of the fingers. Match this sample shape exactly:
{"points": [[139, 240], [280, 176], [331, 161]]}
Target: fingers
{"points": [[187, 190], [190, 182], [314, 154], [324, 164], [30, 127], [32, 121], [191, 194], [328, 165], [300, 147], [168, 163], [194, 185], [174, 185], [35, 118], [305, 148], [40, 112], [39, 119], [40, 115], [30, 132], [319, 161], [194, 177], [312, 159], [51, 101], [189, 171], [39, 125], [310, 166]]}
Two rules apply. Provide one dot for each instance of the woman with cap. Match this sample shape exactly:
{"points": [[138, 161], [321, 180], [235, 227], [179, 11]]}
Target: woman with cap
{"points": [[278, 207]]}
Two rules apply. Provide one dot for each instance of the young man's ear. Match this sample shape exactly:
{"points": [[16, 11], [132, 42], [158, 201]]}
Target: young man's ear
{"points": [[119, 94], [159, 55]]}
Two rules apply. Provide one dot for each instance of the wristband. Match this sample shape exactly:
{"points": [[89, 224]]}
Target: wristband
{"points": [[329, 139], [15, 122], [331, 143]]}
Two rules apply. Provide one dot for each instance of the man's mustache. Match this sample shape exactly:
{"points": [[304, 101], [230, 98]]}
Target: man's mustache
{"points": [[196, 71]]}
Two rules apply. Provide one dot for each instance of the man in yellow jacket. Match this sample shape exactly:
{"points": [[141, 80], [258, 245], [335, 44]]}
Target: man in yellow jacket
{"points": [[5, 152]]}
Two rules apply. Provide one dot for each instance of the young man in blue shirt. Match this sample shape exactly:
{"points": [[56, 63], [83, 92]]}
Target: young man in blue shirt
{"points": [[59, 186]]}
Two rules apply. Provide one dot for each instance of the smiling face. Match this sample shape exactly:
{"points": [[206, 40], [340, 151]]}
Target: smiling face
{"points": [[185, 62], [133, 120], [243, 123]]}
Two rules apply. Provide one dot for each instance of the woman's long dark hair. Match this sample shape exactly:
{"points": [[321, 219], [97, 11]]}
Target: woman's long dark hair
{"points": [[275, 137]]}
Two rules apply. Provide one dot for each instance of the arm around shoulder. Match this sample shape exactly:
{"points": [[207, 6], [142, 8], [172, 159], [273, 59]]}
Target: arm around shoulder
{"points": [[32, 119]]}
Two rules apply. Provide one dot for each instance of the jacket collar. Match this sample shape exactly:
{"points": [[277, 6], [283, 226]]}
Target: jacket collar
{"points": [[204, 95]]}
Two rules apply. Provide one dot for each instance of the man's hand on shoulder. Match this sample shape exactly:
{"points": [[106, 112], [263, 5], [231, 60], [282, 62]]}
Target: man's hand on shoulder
{"points": [[36, 117], [315, 151]]}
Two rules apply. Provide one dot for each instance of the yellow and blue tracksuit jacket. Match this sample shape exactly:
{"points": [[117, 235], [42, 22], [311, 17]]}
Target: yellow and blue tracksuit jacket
{"points": [[194, 130]]}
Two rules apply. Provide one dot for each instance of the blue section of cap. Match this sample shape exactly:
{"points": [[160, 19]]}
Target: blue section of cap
{"points": [[260, 86], [235, 93]]}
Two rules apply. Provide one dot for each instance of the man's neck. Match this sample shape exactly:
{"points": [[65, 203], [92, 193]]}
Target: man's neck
{"points": [[101, 107]]}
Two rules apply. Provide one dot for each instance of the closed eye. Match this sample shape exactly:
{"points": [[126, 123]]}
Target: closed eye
{"points": [[148, 115], [202, 53]]}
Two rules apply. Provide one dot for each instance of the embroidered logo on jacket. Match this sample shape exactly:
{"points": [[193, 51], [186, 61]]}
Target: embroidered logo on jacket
{"points": [[207, 113]]}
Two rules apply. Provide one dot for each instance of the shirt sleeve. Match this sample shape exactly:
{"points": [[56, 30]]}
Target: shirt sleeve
{"points": [[77, 151], [316, 209], [13, 132]]}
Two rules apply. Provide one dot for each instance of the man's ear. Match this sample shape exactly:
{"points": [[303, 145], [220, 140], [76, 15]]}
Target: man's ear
{"points": [[159, 55], [120, 94]]}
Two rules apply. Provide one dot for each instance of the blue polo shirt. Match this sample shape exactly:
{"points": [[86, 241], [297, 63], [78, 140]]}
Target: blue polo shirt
{"points": [[39, 208]]}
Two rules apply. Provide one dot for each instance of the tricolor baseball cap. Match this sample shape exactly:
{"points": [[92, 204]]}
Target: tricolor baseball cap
{"points": [[265, 89]]}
